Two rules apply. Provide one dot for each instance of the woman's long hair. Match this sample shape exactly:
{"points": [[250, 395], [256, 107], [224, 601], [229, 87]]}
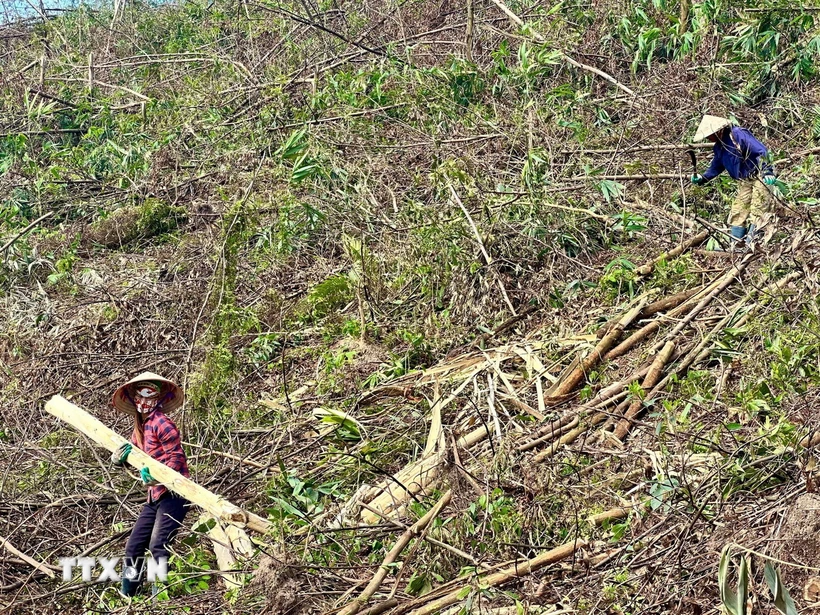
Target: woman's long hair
{"points": [[139, 430]]}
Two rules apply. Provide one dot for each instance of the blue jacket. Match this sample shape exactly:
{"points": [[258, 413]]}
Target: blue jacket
{"points": [[742, 157]]}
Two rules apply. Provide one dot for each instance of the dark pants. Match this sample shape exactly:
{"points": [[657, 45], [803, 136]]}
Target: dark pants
{"points": [[155, 528]]}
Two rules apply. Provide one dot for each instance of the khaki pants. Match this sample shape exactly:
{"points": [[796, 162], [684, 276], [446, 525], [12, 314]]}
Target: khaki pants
{"points": [[752, 205]]}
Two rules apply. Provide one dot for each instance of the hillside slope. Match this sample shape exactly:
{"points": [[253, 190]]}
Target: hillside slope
{"points": [[374, 241]]}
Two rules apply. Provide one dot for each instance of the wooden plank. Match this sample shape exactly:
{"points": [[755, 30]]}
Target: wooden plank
{"points": [[218, 506], [225, 559]]}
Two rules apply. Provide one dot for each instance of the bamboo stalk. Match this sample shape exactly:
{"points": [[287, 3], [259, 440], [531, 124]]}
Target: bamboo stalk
{"points": [[551, 435], [652, 378], [653, 327], [355, 605], [647, 268], [504, 576], [701, 352], [613, 514], [725, 282], [599, 416], [661, 305], [218, 506], [572, 380]]}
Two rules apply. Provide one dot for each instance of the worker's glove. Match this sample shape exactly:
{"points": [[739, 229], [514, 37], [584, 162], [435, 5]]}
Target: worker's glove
{"points": [[119, 456], [769, 180], [147, 479], [698, 179]]}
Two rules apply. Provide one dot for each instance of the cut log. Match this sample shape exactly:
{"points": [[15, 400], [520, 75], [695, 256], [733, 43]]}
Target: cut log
{"points": [[218, 506]]}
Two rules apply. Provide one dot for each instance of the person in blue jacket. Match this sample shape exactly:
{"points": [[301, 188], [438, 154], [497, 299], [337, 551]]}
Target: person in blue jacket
{"points": [[745, 159]]}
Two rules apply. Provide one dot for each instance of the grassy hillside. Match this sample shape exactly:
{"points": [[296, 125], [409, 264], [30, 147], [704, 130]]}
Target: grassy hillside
{"points": [[296, 209]]}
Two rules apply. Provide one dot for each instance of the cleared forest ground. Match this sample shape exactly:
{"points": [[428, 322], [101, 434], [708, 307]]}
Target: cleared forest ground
{"points": [[384, 248]]}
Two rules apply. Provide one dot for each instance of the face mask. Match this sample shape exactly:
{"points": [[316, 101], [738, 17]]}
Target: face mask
{"points": [[145, 406], [146, 398]]}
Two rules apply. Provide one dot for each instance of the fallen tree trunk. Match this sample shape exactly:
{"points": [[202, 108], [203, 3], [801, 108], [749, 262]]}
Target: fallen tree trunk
{"points": [[218, 506]]}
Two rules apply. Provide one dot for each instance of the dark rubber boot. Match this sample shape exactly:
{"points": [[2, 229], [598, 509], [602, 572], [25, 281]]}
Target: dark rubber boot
{"points": [[738, 232], [129, 588]]}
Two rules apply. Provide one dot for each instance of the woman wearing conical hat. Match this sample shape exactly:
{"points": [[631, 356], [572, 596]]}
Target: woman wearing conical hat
{"points": [[147, 398], [744, 158]]}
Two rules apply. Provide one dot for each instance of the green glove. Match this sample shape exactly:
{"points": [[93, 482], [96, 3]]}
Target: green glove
{"points": [[697, 179], [119, 456], [769, 180], [147, 479]]}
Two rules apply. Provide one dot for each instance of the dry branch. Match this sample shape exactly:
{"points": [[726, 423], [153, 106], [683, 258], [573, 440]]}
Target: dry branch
{"points": [[480, 241], [538, 37], [11, 241], [5, 544]]}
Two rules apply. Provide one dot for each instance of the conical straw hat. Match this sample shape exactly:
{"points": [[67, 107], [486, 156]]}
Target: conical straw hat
{"points": [[709, 125], [170, 393]]}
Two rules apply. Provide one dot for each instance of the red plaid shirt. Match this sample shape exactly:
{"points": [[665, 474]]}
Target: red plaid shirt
{"points": [[162, 442]]}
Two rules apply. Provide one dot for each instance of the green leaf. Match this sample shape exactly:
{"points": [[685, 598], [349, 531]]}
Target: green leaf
{"points": [[419, 585], [465, 591], [782, 600], [294, 146], [734, 602]]}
